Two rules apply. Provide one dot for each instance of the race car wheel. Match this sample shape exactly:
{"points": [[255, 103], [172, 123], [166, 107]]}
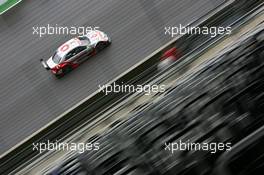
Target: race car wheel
{"points": [[100, 46], [58, 76], [66, 69]]}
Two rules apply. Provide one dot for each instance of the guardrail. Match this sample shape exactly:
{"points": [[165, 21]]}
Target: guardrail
{"points": [[98, 103]]}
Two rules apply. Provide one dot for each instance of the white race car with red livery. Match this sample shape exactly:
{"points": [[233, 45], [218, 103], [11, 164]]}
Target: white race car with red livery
{"points": [[72, 53]]}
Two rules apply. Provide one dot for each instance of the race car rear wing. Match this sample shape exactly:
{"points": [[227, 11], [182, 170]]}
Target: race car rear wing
{"points": [[45, 65]]}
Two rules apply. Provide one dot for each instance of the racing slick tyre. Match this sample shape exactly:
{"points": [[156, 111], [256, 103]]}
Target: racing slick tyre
{"points": [[58, 76], [66, 70], [100, 46]]}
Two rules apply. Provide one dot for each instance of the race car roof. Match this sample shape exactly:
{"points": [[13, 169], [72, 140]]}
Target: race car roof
{"points": [[68, 46]]}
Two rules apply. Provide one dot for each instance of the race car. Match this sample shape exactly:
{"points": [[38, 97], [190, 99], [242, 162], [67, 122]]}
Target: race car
{"points": [[72, 53], [168, 58]]}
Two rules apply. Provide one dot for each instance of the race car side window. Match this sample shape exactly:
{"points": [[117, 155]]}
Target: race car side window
{"points": [[70, 54], [74, 52], [89, 49], [79, 49]]}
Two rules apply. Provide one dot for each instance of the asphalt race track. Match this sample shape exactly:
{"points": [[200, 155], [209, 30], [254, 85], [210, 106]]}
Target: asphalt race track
{"points": [[31, 97]]}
